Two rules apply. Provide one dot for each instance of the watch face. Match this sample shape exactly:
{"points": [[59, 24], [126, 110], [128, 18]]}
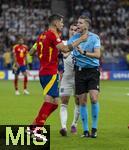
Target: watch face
{"points": [[84, 52]]}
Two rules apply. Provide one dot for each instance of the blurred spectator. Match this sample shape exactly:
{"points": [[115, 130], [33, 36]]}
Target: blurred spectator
{"points": [[127, 59], [7, 59], [27, 18], [109, 18], [1, 61], [30, 18]]}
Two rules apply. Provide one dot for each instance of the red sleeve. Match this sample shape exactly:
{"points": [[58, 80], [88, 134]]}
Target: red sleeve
{"points": [[57, 41]]}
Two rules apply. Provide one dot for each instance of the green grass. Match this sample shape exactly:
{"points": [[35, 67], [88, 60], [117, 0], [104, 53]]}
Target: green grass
{"points": [[113, 119]]}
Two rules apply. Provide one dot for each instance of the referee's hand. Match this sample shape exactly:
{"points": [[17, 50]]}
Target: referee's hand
{"points": [[80, 50], [84, 37]]}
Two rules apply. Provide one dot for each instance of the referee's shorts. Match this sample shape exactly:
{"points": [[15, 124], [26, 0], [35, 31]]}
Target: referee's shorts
{"points": [[86, 79]]}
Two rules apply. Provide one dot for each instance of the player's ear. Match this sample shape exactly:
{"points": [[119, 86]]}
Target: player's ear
{"points": [[87, 25], [56, 22]]}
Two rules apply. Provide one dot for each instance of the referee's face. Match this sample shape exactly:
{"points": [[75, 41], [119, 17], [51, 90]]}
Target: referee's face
{"points": [[82, 25]]}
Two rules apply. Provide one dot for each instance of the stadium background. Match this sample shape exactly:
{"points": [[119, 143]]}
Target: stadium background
{"points": [[30, 18], [109, 20]]}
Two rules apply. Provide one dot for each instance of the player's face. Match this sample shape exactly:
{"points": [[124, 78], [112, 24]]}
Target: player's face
{"points": [[59, 24], [82, 25], [21, 41], [72, 30]]}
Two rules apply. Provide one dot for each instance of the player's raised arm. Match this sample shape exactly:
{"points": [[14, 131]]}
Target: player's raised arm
{"points": [[69, 47]]}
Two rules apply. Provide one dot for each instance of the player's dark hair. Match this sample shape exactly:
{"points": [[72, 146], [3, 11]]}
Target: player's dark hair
{"points": [[74, 23], [85, 18], [54, 17]]}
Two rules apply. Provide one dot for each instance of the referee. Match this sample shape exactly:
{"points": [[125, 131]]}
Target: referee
{"points": [[87, 74]]}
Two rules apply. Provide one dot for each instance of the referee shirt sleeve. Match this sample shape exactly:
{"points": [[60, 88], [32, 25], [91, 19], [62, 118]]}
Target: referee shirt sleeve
{"points": [[97, 43]]}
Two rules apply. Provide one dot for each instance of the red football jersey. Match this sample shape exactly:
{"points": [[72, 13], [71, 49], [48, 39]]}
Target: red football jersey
{"points": [[20, 52], [48, 53]]}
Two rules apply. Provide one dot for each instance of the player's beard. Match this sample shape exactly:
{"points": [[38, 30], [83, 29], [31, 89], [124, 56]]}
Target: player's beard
{"points": [[60, 29]]}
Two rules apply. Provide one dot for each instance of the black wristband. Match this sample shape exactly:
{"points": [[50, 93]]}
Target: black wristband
{"points": [[84, 52]]}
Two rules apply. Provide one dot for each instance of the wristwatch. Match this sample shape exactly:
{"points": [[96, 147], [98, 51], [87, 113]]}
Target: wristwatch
{"points": [[84, 52]]}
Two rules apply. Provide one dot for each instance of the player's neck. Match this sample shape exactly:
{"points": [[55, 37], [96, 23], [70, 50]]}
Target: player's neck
{"points": [[53, 29], [85, 32]]}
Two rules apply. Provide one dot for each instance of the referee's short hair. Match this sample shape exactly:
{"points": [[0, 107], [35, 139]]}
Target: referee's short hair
{"points": [[86, 19], [54, 17]]}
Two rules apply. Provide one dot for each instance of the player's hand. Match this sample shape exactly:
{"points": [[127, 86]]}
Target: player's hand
{"points": [[84, 37], [15, 66]]}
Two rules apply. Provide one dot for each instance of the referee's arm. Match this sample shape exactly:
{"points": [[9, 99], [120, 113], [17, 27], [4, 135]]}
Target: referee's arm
{"points": [[95, 54]]}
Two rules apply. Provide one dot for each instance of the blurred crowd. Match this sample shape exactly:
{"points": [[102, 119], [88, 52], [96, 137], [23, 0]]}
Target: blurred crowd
{"points": [[109, 20], [30, 18], [27, 18]]}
